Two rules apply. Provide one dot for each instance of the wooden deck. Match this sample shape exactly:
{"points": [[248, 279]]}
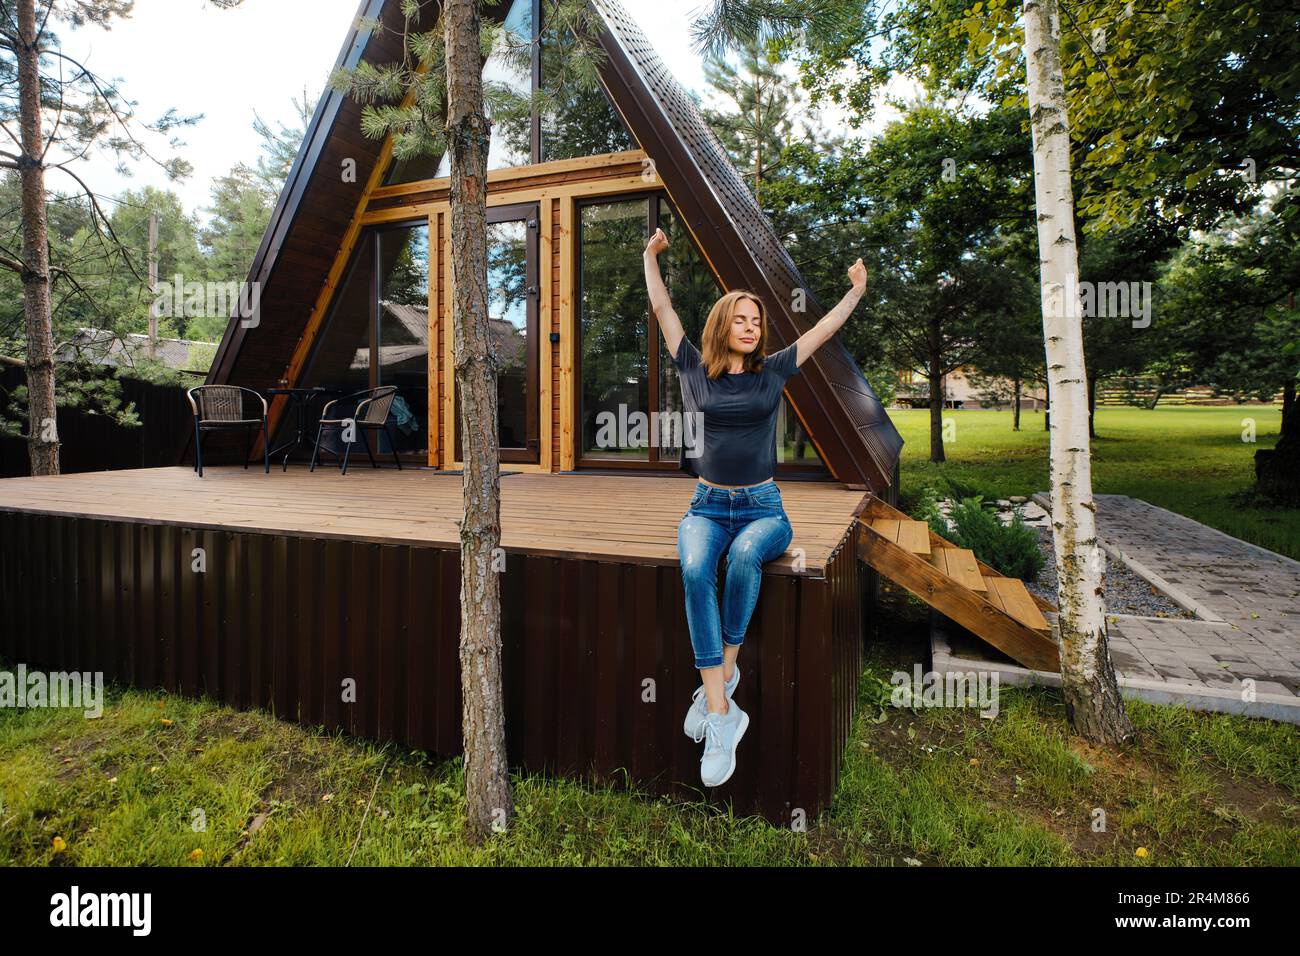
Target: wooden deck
{"points": [[633, 519], [310, 580]]}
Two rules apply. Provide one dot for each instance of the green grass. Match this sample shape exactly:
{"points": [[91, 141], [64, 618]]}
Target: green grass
{"points": [[933, 786], [1188, 459]]}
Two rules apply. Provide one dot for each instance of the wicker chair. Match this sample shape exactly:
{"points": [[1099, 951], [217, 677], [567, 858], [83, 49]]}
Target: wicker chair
{"points": [[223, 406], [371, 413]]}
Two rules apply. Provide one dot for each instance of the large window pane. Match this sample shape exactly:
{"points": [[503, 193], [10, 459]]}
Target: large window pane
{"points": [[513, 337], [342, 355], [693, 291], [613, 312], [508, 67], [377, 333], [585, 122], [403, 334], [508, 318], [512, 143], [793, 446], [414, 168]]}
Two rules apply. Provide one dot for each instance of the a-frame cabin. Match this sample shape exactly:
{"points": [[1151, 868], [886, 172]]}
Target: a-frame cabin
{"points": [[358, 243], [310, 579]]}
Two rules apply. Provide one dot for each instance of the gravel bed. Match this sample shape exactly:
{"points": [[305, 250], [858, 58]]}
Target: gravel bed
{"points": [[1124, 591]]}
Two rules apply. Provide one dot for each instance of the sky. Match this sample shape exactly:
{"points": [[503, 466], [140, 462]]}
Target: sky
{"points": [[226, 64]]}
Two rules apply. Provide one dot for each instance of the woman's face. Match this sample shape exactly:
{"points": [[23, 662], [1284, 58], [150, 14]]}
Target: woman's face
{"points": [[746, 326]]}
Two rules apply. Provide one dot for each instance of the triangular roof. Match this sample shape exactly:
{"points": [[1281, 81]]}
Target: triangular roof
{"points": [[845, 419]]}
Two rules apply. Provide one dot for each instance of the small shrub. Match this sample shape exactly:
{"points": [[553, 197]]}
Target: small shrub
{"points": [[1010, 548], [923, 505]]}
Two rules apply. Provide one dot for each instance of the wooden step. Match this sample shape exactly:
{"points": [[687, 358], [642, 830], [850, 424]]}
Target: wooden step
{"points": [[1011, 595], [960, 565], [913, 536]]}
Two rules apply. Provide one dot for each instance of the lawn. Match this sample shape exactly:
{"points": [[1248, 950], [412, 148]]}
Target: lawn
{"points": [[1189, 459], [164, 780]]}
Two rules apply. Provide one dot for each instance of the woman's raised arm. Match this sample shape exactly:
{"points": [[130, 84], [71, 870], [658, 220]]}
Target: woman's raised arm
{"points": [[830, 323], [662, 307]]}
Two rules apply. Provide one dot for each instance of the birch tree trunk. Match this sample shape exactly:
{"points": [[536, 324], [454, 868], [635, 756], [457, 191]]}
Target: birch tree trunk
{"points": [[487, 779], [42, 440], [1092, 699]]}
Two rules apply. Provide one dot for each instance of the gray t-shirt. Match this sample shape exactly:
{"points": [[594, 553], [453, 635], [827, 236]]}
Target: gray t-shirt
{"points": [[739, 411]]}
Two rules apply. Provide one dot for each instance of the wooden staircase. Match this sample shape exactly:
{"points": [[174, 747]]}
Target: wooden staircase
{"points": [[953, 581]]}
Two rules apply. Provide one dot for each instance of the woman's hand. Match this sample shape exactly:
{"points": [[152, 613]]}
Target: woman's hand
{"points": [[830, 323], [657, 244], [858, 276]]}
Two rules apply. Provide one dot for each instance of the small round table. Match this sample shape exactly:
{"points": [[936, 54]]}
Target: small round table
{"points": [[300, 398]]}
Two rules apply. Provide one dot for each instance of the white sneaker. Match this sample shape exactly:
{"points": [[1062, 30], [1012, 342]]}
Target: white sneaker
{"points": [[722, 732], [693, 725]]}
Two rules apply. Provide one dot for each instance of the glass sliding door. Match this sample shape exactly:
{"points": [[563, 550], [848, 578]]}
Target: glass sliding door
{"points": [[612, 323], [512, 254], [624, 368]]}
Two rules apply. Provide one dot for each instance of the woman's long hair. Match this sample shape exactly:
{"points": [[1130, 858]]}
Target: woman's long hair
{"points": [[714, 351]]}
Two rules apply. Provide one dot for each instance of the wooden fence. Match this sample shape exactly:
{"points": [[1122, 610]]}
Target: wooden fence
{"points": [[96, 443]]}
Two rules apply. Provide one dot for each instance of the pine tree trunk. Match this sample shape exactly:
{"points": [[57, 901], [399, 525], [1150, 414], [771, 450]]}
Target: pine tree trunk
{"points": [[42, 441], [487, 778], [1092, 698], [936, 412], [1015, 405]]}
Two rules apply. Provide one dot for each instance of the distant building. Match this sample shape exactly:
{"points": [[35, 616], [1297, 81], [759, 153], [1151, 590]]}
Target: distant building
{"points": [[958, 392], [104, 347]]}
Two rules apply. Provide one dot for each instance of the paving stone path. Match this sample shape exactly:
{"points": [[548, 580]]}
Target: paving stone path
{"points": [[1248, 599]]}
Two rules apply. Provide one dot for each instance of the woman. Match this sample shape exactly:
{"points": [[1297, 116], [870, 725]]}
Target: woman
{"points": [[736, 388]]}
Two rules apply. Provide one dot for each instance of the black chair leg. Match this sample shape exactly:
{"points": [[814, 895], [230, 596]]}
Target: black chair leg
{"points": [[347, 448], [366, 441], [315, 452], [197, 439], [393, 445], [266, 447], [200, 452]]}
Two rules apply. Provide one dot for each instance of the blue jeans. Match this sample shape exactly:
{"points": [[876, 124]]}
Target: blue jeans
{"points": [[751, 527]]}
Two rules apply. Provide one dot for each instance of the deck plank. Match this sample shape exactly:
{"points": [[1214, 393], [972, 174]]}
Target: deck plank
{"points": [[960, 565], [914, 536], [1013, 597]]}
